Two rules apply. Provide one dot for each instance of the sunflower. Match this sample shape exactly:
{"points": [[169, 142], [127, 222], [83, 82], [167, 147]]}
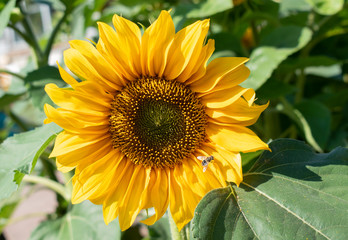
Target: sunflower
{"points": [[148, 116]]}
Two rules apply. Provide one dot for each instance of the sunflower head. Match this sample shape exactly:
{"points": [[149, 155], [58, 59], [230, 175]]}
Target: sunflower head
{"points": [[150, 124]]}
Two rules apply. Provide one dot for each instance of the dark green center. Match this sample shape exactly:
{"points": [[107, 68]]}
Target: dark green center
{"points": [[156, 122], [159, 123]]}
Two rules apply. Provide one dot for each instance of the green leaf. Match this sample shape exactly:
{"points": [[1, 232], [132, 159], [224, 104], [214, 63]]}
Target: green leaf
{"points": [[287, 7], [325, 71], [318, 117], [7, 207], [132, 3], [85, 221], [291, 64], [5, 15], [290, 193], [47, 73], [38, 79], [326, 7], [161, 229], [266, 91], [301, 122], [203, 9], [18, 155], [7, 99], [273, 49], [17, 87]]}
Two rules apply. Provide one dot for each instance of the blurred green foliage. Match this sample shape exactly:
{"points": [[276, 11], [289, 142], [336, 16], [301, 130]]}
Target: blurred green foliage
{"points": [[298, 60]]}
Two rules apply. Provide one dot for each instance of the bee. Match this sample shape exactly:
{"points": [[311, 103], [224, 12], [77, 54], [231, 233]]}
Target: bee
{"points": [[205, 161]]}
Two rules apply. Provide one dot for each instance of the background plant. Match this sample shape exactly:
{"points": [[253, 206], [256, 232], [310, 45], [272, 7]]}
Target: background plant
{"points": [[298, 60]]}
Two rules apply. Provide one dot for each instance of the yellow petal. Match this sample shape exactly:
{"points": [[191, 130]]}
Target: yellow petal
{"points": [[81, 67], [115, 196], [100, 198], [67, 142], [97, 177], [79, 120], [72, 125], [199, 57], [229, 163], [249, 97], [116, 47], [183, 200], [129, 38], [178, 203], [155, 45], [100, 64], [238, 112], [159, 195], [226, 68], [82, 156], [186, 48], [223, 98], [63, 168], [212, 173], [92, 89], [200, 182], [77, 102], [66, 76], [201, 66], [132, 201], [235, 138], [232, 79]]}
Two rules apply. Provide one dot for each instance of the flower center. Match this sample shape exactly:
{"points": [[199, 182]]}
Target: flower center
{"points": [[156, 122]]}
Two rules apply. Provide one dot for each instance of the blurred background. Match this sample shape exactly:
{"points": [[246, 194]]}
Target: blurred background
{"points": [[298, 59]]}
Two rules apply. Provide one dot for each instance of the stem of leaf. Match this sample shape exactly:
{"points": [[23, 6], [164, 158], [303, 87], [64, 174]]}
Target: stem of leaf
{"points": [[17, 120], [57, 187], [54, 35], [30, 34], [12, 73], [272, 130], [25, 37], [300, 84], [255, 32], [48, 168], [24, 217]]}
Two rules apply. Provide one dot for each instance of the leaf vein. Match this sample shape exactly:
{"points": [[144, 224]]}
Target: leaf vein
{"points": [[288, 210]]}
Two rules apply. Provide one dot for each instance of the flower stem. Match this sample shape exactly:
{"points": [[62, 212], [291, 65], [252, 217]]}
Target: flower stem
{"points": [[57, 187], [173, 228], [184, 234]]}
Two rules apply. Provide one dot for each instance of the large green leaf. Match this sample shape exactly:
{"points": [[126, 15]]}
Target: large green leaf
{"points": [[5, 15], [313, 119], [273, 49], [326, 7], [318, 117], [38, 79], [291, 64], [85, 221], [290, 193], [267, 92], [204, 8], [18, 155]]}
